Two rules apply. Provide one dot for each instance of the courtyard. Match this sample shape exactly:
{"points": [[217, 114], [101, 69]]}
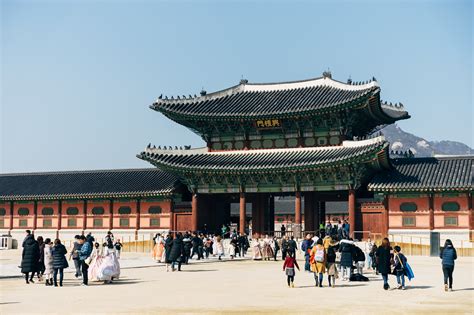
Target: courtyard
{"points": [[240, 286]]}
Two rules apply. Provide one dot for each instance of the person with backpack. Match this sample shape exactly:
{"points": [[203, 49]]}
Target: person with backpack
{"points": [[318, 262], [292, 246], [399, 263], [331, 262], [289, 268], [448, 255], [284, 247]]}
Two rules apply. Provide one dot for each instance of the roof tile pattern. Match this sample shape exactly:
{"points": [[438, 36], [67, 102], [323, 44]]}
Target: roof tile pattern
{"points": [[265, 103], [87, 184], [426, 174], [265, 160]]}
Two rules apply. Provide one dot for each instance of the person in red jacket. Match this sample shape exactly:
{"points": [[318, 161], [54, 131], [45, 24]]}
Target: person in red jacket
{"points": [[289, 268]]}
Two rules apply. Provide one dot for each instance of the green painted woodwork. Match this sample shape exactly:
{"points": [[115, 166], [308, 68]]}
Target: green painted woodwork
{"points": [[154, 222], [154, 210], [409, 195], [72, 211], [47, 223], [23, 223], [3, 212], [2, 223], [124, 210], [23, 211], [124, 222], [47, 211], [154, 199], [97, 223], [451, 221], [408, 206], [409, 221], [71, 222], [98, 211], [450, 206]]}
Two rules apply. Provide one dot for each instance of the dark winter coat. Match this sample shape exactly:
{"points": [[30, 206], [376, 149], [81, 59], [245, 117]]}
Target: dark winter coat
{"points": [[187, 244], [347, 250], [292, 246], [383, 257], [168, 245], [59, 257], [331, 254], [448, 255], [305, 246], [177, 249], [31, 255]]}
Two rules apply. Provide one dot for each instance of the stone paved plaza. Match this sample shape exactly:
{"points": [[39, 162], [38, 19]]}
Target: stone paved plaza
{"points": [[239, 287]]}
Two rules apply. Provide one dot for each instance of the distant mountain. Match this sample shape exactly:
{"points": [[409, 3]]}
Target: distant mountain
{"points": [[402, 141]]}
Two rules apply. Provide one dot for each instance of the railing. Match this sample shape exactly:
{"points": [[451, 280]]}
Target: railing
{"points": [[417, 245]]}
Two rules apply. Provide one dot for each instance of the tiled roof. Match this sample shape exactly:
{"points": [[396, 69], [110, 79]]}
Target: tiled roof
{"points": [[274, 160], [426, 174], [248, 101], [87, 184]]}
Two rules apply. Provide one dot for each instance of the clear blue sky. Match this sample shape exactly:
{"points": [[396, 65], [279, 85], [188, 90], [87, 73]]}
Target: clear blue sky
{"points": [[78, 76]]}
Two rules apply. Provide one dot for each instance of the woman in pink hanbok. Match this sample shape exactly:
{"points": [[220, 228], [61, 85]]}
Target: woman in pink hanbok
{"points": [[256, 249], [109, 269], [96, 261], [267, 248]]}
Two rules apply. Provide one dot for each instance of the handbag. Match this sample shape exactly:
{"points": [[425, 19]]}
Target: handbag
{"points": [[88, 260]]}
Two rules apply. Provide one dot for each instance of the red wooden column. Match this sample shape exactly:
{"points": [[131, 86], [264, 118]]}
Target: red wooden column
{"points": [[352, 214], [84, 219], [386, 216], [431, 210], [60, 211], [35, 214], [255, 216], [11, 215], [111, 215], [137, 226], [194, 213], [470, 203], [242, 213], [298, 214]]}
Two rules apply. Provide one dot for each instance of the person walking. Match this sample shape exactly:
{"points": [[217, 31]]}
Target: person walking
{"points": [[448, 255], [177, 252], [30, 257], [346, 247], [331, 262], [75, 256], [283, 231], [306, 248], [289, 268], [41, 267], [292, 246], [48, 261], [219, 247], [384, 256], [368, 249], [59, 262], [284, 247], [276, 248], [84, 253], [168, 247], [118, 248], [187, 245], [318, 262], [399, 263]]}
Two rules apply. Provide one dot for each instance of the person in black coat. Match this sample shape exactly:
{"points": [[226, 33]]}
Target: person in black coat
{"points": [[187, 245], [448, 255], [59, 262], [383, 256], [168, 246], [30, 257], [177, 251], [346, 248]]}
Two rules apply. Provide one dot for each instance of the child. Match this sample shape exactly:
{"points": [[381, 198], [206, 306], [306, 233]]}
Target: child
{"points": [[48, 262], [399, 262], [289, 268]]}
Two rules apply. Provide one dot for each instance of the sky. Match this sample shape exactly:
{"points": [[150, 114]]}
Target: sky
{"points": [[77, 77]]}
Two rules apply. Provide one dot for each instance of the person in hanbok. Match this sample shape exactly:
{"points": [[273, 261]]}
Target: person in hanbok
{"points": [[159, 248], [96, 261], [256, 249], [267, 248], [214, 246], [48, 262], [110, 268], [219, 247]]}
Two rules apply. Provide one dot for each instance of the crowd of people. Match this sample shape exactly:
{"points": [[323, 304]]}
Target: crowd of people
{"points": [[330, 253], [178, 249], [47, 259]]}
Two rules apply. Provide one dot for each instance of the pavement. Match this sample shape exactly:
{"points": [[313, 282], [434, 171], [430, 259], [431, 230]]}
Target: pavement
{"points": [[243, 287]]}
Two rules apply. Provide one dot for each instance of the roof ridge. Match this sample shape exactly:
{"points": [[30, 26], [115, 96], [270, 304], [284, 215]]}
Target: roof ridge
{"points": [[81, 171]]}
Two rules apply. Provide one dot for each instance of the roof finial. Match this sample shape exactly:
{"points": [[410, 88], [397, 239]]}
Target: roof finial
{"points": [[349, 80], [327, 74], [203, 92]]}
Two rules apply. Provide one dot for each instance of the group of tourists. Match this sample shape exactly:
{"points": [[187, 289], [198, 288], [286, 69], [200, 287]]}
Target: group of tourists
{"points": [[267, 248], [46, 259], [174, 250]]}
